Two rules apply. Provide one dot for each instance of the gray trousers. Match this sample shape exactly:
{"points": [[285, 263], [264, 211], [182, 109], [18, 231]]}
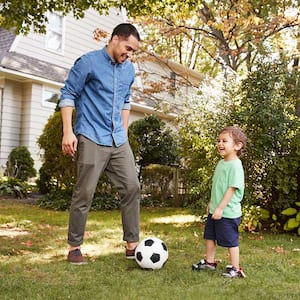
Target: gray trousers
{"points": [[118, 164]]}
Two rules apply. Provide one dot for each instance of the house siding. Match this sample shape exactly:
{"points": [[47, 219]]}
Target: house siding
{"points": [[77, 38], [10, 119]]}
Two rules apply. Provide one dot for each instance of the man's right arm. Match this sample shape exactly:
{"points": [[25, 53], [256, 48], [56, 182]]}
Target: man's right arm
{"points": [[69, 140]]}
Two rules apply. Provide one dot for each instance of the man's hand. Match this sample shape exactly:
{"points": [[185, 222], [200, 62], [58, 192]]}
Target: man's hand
{"points": [[69, 144]]}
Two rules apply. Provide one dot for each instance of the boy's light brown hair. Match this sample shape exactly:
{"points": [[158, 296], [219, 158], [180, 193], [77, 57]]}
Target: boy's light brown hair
{"points": [[238, 136]]}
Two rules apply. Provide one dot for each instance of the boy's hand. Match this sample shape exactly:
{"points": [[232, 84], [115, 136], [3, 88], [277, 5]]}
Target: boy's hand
{"points": [[217, 215]]}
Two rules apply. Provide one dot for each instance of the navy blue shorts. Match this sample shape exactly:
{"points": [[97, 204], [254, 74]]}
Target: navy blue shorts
{"points": [[224, 231]]}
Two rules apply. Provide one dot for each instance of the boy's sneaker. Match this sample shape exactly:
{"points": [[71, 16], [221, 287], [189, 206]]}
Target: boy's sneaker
{"points": [[75, 257], [232, 272], [204, 265]]}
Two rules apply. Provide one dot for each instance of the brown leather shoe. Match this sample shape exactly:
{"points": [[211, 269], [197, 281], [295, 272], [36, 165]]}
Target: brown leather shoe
{"points": [[75, 257], [130, 253]]}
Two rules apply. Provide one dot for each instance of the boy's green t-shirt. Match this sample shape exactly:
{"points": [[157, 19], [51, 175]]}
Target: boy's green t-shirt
{"points": [[228, 174]]}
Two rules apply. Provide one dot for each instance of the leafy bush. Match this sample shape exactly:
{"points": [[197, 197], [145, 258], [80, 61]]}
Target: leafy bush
{"points": [[267, 109], [293, 222], [58, 170], [61, 200], [104, 201], [20, 164], [57, 200], [252, 217], [13, 187], [153, 142], [157, 185]]}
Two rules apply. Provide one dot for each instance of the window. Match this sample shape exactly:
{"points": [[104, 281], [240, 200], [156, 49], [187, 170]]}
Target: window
{"points": [[54, 36], [50, 97]]}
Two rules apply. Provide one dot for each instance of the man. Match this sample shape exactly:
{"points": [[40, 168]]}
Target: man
{"points": [[98, 86]]}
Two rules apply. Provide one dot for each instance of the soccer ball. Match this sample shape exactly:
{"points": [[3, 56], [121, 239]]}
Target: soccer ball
{"points": [[151, 253]]}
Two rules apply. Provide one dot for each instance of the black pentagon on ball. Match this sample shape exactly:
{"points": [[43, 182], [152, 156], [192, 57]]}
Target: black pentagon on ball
{"points": [[139, 256], [155, 257], [149, 243], [164, 246]]}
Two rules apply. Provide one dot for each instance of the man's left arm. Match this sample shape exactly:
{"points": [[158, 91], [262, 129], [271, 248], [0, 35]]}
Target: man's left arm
{"points": [[125, 118]]}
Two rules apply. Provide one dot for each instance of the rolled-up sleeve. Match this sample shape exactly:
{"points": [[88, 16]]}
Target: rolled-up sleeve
{"points": [[126, 106], [66, 103]]}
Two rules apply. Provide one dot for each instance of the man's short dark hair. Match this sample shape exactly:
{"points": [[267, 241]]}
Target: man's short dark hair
{"points": [[125, 30]]}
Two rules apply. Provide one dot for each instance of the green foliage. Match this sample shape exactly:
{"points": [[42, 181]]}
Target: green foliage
{"points": [[252, 217], [20, 164], [293, 221], [57, 200], [13, 187], [104, 201], [23, 15], [58, 170], [61, 200], [266, 106], [157, 188], [199, 122], [153, 142]]}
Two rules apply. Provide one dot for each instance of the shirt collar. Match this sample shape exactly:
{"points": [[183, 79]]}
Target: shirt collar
{"points": [[107, 56]]}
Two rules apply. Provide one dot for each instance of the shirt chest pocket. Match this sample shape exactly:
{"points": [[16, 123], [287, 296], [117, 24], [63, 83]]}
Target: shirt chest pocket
{"points": [[124, 85]]}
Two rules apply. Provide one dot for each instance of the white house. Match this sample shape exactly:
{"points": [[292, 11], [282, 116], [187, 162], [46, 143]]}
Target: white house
{"points": [[34, 67]]}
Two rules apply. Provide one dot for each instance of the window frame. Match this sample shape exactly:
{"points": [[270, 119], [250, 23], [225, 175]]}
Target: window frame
{"points": [[52, 91], [49, 28]]}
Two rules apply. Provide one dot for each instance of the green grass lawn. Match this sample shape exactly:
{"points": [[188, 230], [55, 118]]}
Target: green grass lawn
{"points": [[33, 262]]}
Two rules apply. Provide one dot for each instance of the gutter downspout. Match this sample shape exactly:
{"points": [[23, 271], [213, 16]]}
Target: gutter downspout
{"points": [[1, 118]]}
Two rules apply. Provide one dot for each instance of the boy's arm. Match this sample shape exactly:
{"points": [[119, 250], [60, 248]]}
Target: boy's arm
{"points": [[217, 215]]}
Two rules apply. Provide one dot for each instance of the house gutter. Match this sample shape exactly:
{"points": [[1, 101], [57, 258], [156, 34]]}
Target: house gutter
{"points": [[21, 76], [1, 114], [152, 111]]}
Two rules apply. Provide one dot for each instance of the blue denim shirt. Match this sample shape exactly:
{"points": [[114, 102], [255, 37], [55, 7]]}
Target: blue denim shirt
{"points": [[99, 89]]}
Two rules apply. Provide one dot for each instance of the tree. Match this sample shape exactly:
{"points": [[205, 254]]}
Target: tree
{"points": [[266, 107], [23, 15], [152, 142], [210, 34], [199, 34]]}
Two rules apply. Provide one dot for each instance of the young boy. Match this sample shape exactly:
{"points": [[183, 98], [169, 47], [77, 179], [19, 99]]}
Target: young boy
{"points": [[224, 208]]}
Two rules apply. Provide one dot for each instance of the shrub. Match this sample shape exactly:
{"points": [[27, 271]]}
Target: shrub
{"points": [[253, 217], [58, 170], [57, 200], [20, 164], [104, 201], [157, 185], [293, 221], [13, 187], [61, 200]]}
